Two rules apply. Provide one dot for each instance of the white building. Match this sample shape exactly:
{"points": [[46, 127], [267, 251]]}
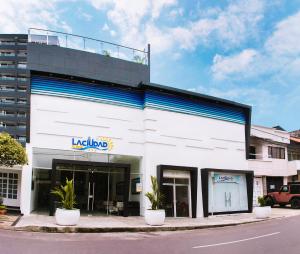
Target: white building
{"points": [[99, 120], [199, 158], [269, 160]]}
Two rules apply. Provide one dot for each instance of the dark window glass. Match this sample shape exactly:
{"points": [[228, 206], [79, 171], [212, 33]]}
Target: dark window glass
{"points": [[276, 152], [252, 154]]}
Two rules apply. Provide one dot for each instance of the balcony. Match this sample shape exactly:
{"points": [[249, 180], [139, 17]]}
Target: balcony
{"points": [[294, 166], [13, 130], [73, 41], [269, 167], [7, 54], [7, 43], [5, 78]]}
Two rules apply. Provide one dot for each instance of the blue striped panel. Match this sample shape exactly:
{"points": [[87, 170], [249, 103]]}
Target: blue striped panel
{"points": [[84, 91], [134, 98], [180, 104]]}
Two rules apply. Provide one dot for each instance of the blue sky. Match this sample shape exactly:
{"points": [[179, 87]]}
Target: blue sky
{"points": [[246, 51]]}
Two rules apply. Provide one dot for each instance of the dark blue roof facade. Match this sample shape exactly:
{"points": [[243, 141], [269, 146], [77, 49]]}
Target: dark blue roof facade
{"points": [[140, 98]]}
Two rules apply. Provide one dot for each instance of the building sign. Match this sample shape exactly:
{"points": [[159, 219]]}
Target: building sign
{"points": [[221, 178], [92, 144]]}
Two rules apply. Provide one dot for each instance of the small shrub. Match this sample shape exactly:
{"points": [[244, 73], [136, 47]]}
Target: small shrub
{"points": [[66, 195], [155, 197], [261, 201]]}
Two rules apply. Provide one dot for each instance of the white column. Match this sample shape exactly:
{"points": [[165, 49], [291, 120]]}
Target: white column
{"points": [[25, 205]]}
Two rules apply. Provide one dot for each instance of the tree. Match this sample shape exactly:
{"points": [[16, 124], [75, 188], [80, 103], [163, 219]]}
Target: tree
{"points": [[11, 152]]}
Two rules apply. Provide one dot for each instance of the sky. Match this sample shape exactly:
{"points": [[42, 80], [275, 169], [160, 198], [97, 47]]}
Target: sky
{"points": [[245, 51]]}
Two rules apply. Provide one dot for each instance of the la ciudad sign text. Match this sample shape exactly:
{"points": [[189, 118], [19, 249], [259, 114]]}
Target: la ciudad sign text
{"points": [[92, 144]]}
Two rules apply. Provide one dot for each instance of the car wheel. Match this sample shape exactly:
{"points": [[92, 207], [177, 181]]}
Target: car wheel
{"points": [[269, 201], [295, 203]]}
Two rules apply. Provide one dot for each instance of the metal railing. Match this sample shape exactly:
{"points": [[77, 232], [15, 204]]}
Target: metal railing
{"points": [[73, 41]]}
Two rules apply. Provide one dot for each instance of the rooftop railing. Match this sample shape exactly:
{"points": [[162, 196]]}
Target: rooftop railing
{"points": [[73, 41]]}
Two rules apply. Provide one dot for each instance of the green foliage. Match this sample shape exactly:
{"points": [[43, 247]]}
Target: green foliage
{"points": [[11, 151], [155, 197], [106, 53], [2, 207], [261, 201], [139, 59], [66, 194]]}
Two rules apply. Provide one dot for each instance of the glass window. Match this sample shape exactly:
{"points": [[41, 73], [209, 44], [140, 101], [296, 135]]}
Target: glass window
{"points": [[252, 154], [284, 189], [9, 185], [276, 152], [168, 180], [182, 180]]}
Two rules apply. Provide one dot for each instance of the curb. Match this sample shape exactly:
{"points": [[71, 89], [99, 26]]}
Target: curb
{"points": [[45, 229]]}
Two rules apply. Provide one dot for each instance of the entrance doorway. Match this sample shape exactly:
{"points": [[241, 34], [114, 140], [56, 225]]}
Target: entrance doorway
{"points": [[100, 188], [176, 189]]}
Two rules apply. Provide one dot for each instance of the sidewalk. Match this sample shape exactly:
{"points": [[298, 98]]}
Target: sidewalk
{"points": [[6, 221], [44, 223]]}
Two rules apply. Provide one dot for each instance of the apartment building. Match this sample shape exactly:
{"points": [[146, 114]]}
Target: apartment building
{"points": [[14, 86]]}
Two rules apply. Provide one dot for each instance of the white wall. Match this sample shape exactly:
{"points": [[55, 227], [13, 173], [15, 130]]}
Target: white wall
{"points": [[159, 137], [262, 138]]}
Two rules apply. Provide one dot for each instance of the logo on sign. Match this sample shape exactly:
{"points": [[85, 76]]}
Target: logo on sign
{"points": [[92, 144], [226, 178]]}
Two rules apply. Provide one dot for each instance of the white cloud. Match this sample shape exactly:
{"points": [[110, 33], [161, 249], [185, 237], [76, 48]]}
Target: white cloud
{"points": [[17, 16], [86, 16], [178, 12], [234, 64], [279, 57], [105, 27], [137, 26], [285, 41], [112, 33]]}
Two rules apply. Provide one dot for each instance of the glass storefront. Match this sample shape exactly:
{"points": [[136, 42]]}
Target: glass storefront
{"points": [[98, 189], [227, 192], [103, 184]]}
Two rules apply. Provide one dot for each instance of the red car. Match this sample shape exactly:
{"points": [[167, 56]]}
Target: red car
{"points": [[288, 194]]}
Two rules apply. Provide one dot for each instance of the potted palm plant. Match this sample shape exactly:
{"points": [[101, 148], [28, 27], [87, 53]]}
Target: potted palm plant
{"points": [[155, 216], [2, 207], [68, 215], [263, 211]]}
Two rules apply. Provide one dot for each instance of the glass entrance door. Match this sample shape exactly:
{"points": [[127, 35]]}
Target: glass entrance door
{"points": [[182, 200], [177, 197]]}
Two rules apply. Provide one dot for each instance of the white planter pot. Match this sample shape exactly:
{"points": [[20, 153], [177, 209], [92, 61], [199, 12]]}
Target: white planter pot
{"points": [[66, 217], [262, 212], [155, 217]]}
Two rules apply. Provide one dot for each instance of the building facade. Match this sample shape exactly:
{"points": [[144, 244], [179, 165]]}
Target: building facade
{"points": [[273, 158], [108, 128], [14, 107], [14, 86]]}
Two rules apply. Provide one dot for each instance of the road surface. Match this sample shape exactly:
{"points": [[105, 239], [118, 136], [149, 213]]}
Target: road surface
{"points": [[270, 237]]}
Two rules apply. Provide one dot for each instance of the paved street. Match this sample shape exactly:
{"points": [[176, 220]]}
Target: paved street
{"points": [[275, 236]]}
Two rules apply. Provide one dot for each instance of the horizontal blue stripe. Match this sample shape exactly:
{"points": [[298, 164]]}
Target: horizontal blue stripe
{"points": [[134, 98]]}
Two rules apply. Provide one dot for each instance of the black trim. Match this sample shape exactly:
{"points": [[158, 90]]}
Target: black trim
{"points": [[126, 168], [194, 182], [204, 179], [247, 131]]}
